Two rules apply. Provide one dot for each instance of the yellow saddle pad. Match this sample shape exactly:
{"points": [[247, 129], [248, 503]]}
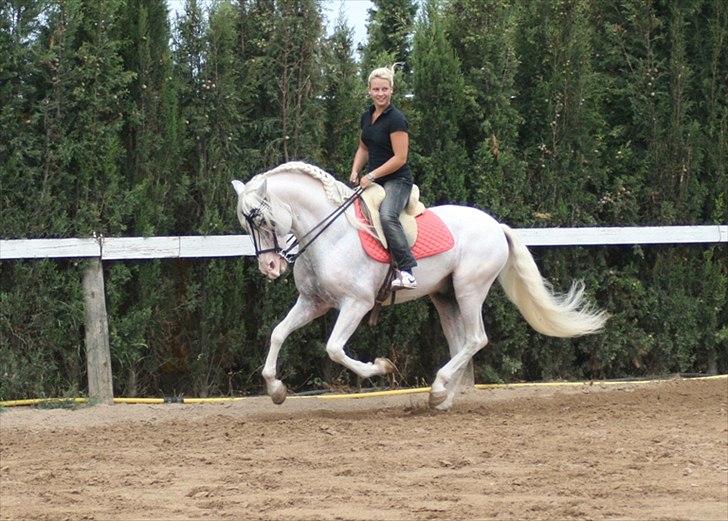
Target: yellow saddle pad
{"points": [[373, 197]]}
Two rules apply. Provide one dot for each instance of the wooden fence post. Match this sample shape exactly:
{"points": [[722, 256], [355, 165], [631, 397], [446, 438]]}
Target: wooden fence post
{"points": [[98, 354]]}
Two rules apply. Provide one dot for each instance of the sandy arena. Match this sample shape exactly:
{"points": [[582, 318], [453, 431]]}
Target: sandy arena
{"points": [[650, 451]]}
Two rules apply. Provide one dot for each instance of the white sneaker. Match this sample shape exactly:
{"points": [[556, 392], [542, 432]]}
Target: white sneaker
{"points": [[405, 280]]}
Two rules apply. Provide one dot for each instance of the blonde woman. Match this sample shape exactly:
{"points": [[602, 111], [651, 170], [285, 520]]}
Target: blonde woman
{"points": [[383, 148]]}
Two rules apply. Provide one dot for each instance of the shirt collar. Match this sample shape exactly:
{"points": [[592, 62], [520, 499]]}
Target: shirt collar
{"points": [[388, 109]]}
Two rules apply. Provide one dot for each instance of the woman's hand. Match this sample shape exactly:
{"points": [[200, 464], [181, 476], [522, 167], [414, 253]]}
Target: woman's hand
{"points": [[366, 181], [354, 178]]}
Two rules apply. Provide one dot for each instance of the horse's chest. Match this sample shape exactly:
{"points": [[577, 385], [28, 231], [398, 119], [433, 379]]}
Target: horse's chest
{"points": [[327, 279], [313, 278]]}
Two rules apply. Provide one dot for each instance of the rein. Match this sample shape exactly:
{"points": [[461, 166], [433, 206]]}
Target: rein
{"points": [[286, 253]]}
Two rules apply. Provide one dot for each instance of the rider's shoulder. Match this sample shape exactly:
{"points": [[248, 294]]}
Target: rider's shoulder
{"points": [[398, 120]]}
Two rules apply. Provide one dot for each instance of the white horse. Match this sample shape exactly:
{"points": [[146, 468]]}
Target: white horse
{"points": [[335, 272]]}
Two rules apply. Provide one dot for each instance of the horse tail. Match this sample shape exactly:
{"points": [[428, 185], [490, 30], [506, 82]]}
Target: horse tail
{"points": [[547, 312]]}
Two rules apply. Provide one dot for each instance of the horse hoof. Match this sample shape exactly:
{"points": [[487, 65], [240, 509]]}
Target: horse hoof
{"points": [[279, 395], [437, 398], [385, 364]]}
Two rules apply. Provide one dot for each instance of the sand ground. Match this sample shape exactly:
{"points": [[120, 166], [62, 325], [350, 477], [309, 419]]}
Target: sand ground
{"points": [[651, 451]]}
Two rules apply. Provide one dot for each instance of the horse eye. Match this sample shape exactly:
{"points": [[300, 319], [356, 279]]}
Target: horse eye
{"points": [[256, 217]]}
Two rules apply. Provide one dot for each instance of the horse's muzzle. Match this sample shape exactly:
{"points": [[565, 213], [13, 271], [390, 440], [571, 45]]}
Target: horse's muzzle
{"points": [[272, 265]]}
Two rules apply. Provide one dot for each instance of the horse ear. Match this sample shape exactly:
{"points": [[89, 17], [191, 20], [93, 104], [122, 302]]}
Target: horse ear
{"points": [[263, 189], [238, 185]]}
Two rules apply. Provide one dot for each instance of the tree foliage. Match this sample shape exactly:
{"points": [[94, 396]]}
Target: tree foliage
{"points": [[119, 119], [390, 29]]}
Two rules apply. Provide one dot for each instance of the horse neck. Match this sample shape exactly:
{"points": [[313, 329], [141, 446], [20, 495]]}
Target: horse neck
{"points": [[307, 199]]}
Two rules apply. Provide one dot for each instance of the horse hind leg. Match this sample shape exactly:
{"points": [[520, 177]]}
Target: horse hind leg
{"points": [[470, 298], [447, 380], [452, 326]]}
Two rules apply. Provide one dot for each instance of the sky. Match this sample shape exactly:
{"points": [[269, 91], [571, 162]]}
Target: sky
{"points": [[355, 11]]}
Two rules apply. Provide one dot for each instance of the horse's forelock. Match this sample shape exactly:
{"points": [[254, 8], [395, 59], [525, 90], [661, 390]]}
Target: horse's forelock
{"points": [[250, 199], [271, 208]]}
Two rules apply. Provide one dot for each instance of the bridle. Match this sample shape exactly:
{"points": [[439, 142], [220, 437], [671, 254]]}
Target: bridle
{"points": [[287, 253], [250, 218]]}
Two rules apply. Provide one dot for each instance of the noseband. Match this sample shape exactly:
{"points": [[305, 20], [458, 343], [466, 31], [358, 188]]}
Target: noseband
{"points": [[287, 254]]}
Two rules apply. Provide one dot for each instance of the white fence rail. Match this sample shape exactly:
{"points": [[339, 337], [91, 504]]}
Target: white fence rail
{"points": [[116, 248], [119, 248], [98, 249]]}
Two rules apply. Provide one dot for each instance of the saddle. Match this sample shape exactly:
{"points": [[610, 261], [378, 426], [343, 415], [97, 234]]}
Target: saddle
{"points": [[426, 233], [373, 197]]}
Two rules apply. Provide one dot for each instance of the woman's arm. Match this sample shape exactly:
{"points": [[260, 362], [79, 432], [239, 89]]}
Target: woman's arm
{"points": [[360, 159], [400, 147]]}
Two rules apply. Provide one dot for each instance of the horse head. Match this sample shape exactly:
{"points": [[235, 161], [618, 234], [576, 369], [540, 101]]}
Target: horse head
{"points": [[268, 221]]}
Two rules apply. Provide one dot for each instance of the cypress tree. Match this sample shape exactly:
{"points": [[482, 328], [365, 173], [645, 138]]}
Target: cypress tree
{"points": [[562, 137], [221, 93], [139, 295], [708, 49], [256, 28], [40, 310], [295, 53], [662, 62], [97, 85], [152, 119], [78, 87], [219, 298], [343, 99], [69, 84], [279, 42], [189, 59], [390, 27], [440, 161], [483, 35], [97, 90], [200, 354], [24, 60]]}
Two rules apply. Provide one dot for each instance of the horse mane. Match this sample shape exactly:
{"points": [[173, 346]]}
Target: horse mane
{"points": [[336, 191]]}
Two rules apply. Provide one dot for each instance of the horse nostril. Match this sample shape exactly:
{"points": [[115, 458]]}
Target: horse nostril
{"points": [[272, 265]]}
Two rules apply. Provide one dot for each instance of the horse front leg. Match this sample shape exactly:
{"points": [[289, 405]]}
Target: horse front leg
{"points": [[303, 312], [350, 315]]}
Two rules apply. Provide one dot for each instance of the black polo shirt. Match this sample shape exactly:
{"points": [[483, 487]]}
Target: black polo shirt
{"points": [[377, 139]]}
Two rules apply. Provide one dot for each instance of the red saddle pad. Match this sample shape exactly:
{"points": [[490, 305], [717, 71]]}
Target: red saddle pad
{"points": [[433, 237]]}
